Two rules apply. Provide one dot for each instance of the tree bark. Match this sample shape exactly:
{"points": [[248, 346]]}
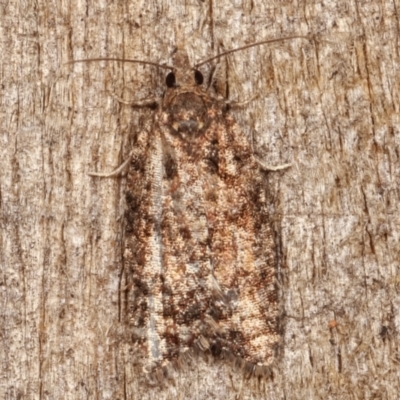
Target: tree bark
{"points": [[328, 106]]}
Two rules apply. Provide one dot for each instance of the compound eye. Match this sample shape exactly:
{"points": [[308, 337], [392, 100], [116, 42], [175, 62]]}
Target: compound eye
{"points": [[170, 80], [198, 77]]}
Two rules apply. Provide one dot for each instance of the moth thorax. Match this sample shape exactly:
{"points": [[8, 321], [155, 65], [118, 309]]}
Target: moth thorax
{"points": [[188, 114]]}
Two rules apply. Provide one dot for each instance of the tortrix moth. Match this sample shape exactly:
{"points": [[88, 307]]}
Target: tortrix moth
{"points": [[199, 251]]}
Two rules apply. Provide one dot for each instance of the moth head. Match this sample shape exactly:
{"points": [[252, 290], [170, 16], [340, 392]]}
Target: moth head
{"points": [[184, 99], [195, 78], [183, 75]]}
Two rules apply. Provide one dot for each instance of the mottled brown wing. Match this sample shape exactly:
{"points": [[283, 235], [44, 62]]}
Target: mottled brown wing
{"points": [[199, 249], [243, 252], [144, 247], [166, 251]]}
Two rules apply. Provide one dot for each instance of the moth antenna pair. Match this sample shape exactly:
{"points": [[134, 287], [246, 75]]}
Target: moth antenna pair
{"points": [[225, 53]]}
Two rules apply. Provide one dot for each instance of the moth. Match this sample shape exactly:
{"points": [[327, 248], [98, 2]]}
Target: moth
{"points": [[199, 251]]}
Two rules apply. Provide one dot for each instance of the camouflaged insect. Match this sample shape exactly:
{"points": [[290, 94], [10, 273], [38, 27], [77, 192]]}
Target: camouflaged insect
{"points": [[199, 251], [198, 245]]}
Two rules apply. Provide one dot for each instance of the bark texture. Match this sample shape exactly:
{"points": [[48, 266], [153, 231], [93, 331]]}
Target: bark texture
{"points": [[330, 107]]}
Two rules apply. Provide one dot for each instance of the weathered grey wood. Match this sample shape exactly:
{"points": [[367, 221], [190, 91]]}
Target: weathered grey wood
{"points": [[331, 108]]}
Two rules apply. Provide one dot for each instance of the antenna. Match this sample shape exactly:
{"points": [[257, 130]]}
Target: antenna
{"points": [[122, 60], [252, 45]]}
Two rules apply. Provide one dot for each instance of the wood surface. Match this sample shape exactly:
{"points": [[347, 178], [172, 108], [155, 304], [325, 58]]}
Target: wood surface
{"points": [[330, 107]]}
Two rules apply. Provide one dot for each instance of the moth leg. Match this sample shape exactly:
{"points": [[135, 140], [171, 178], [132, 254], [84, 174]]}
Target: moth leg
{"points": [[146, 103], [239, 104], [273, 167], [116, 172]]}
